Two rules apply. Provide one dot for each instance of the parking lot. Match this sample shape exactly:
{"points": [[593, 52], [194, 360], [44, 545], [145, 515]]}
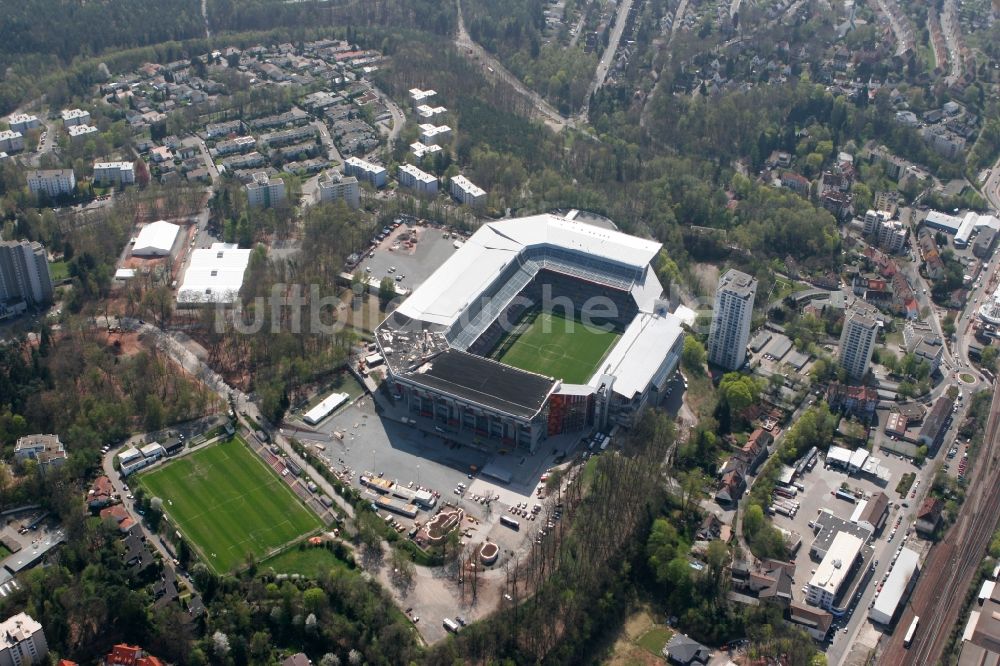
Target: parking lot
{"points": [[820, 485], [412, 265]]}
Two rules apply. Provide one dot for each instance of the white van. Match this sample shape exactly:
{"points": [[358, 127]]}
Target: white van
{"points": [[450, 625]]}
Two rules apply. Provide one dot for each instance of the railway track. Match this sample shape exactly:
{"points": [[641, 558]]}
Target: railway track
{"points": [[949, 570]]}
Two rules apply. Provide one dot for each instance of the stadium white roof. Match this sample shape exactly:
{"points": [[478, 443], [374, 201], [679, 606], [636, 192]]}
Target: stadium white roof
{"points": [[156, 239], [895, 586], [214, 275], [632, 360], [474, 266], [837, 563]]}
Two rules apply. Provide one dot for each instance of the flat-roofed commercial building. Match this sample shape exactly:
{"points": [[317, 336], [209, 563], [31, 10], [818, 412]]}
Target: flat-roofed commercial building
{"points": [[896, 588], [825, 585]]}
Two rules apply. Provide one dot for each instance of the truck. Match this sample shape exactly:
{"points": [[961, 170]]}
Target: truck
{"points": [[845, 495]]}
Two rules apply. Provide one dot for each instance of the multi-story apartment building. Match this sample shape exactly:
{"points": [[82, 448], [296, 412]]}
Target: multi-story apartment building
{"points": [[415, 179], [264, 191], [365, 171], [11, 141], [71, 117], [24, 272], [22, 641], [857, 340], [466, 192], [114, 173], [340, 187], [22, 122], [53, 182], [730, 329]]}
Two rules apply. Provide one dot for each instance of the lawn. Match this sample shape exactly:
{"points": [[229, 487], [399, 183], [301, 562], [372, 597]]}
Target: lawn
{"points": [[309, 562], [59, 270], [554, 346], [654, 639], [229, 504]]}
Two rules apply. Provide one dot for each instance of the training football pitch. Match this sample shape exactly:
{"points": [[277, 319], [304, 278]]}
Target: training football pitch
{"points": [[229, 504], [552, 345]]}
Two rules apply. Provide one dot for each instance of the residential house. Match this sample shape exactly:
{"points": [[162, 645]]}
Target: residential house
{"points": [[101, 493], [683, 651], [929, 517], [731, 488], [857, 401], [796, 183], [816, 622]]}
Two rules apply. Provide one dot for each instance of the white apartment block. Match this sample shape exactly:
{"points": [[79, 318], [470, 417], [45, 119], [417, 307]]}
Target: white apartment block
{"points": [[419, 149], [420, 97], [434, 134], [24, 272], [215, 130], [114, 173], [857, 340], [53, 182], [416, 179], [340, 187], [11, 141], [730, 330], [264, 191], [892, 236], [427, 112], [77, 132], [874, 219], [241, 144], [72, 117], [366, 171], [466, 192], [22, 122], [22, 641]]}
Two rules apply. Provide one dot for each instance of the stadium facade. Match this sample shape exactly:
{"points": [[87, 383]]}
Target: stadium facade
{"points": [[437, 343]]}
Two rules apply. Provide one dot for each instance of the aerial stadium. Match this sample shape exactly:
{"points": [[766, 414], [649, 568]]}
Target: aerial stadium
{"points": [[534, 327]]}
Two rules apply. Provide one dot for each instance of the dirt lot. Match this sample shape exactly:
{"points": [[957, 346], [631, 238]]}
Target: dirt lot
{"points": [[627, 650]]}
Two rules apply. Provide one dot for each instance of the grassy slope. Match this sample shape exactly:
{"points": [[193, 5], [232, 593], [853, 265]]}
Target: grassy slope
{"points": [[228, 503]]}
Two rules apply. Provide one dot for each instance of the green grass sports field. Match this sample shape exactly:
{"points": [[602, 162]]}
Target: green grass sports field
{"points": [[228, 504], [555, 346]]}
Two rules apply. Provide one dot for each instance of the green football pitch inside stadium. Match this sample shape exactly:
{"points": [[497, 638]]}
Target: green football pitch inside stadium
{"points": [[555, 346], [228, 504]]}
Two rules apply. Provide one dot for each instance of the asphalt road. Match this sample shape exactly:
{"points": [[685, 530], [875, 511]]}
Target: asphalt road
{"points": [[608, 56], [495, 70]]}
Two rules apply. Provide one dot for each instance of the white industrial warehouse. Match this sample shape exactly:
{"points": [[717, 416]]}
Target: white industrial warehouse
{"points": [[156, 239], [214, 275], [326, 407], [896, 587]]}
